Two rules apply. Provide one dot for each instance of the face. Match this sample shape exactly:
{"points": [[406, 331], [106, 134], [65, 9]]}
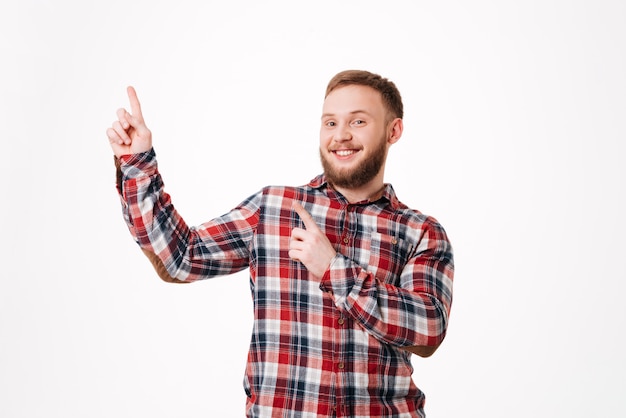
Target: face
{"points": [[355, 136]]}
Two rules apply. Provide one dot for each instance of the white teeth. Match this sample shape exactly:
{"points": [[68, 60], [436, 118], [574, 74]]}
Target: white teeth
{"points": [[344, 152]]}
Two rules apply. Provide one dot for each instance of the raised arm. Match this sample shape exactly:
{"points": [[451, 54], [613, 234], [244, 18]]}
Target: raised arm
{"points": [[178, 252], [130, 135]]}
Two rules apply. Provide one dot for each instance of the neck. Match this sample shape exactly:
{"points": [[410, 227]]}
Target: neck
{"points": [[370, 192]]}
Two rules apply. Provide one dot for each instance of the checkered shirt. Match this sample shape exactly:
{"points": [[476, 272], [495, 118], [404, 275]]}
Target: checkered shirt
{"points": [[320, 347]]}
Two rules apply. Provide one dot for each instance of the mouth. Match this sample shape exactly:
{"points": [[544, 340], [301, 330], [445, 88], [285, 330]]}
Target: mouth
{"points": [[344, 153]]}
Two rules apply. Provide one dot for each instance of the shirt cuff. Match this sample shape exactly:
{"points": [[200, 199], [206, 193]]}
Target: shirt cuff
{"points": [[138, 165], [340, 277]]}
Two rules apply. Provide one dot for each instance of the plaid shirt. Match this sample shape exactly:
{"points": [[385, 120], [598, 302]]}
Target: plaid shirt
{"points": [[320, 347]]}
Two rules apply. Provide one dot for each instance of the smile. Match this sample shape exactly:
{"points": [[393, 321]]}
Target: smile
{"points": [[345, 152]]}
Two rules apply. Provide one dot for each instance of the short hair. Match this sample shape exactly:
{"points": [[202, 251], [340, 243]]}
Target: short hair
{"points": [[388, 90]]}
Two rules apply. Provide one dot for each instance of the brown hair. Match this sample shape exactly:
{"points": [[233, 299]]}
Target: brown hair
{"points": [[388, 90]]}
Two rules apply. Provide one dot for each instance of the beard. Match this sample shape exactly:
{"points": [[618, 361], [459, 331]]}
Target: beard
{"points": [[358, 176]]}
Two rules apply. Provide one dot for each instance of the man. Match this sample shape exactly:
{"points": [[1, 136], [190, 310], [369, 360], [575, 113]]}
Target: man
{"points": [[346, 280]]}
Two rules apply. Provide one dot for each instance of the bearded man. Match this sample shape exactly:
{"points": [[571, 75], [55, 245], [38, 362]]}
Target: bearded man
{"points": [[347, 281]]}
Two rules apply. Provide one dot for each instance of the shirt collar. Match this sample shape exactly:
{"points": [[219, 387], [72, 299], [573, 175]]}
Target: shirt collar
{"points": [[389, 195]]}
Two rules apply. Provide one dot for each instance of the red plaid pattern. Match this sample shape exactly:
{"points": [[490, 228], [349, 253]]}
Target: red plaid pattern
{"points": [[329, 347]]}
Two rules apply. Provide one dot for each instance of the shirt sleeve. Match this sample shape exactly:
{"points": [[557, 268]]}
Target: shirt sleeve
{"points": [[413, 313], [218, 247]]}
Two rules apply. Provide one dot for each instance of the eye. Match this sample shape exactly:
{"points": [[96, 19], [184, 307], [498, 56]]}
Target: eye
{"points": [[330, 123], [359, 122]]}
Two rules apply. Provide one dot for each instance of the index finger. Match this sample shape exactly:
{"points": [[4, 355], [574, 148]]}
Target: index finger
{"points": [[306, 217], [135, 106]]}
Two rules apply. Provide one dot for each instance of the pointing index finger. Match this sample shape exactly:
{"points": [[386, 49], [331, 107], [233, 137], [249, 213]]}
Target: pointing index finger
{"points": [[306, 217], [135, 106]]}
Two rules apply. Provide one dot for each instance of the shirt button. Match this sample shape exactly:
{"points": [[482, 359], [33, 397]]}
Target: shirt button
{"points": [[346, 240], [340, 321], [340, 365]]}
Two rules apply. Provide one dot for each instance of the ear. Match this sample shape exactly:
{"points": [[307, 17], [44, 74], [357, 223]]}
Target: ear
{"points": [[395, 130]]}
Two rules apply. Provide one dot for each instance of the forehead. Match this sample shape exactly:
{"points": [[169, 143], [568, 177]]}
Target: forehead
{"points": [[352, 98]]}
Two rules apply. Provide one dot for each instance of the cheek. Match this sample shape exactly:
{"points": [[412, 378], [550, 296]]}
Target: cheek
{"points": [[325, 140]]}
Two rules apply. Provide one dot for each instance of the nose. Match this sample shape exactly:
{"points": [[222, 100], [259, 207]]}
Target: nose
{"points": [[342, 133]]}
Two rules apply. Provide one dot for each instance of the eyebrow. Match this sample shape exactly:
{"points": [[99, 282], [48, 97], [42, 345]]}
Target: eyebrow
{"points": [[354, 112]]}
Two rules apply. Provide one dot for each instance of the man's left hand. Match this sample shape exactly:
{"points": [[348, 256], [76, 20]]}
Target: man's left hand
{"points": [[310, 246]]}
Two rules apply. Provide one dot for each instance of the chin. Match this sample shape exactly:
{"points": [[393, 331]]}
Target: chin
{"points": [[356, 173]]}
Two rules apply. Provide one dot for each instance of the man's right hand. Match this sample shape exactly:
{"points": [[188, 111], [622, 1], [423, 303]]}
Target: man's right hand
{"points": [[129, 133]]}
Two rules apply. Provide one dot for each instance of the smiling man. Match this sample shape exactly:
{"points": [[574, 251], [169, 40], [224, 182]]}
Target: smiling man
{"points": [[357, 130], [346, 280]]}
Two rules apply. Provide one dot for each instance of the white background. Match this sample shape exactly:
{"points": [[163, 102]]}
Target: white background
{"points": [[514, 139]]}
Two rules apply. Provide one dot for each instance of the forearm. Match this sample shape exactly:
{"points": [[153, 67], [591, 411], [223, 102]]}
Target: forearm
{"points": [[127, 189], [392, 314], [145, 206], [177, 252], [410, 312]]}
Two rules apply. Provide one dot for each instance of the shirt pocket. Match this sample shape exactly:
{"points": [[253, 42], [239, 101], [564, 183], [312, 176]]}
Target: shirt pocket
{"points": [[388, 256]]}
